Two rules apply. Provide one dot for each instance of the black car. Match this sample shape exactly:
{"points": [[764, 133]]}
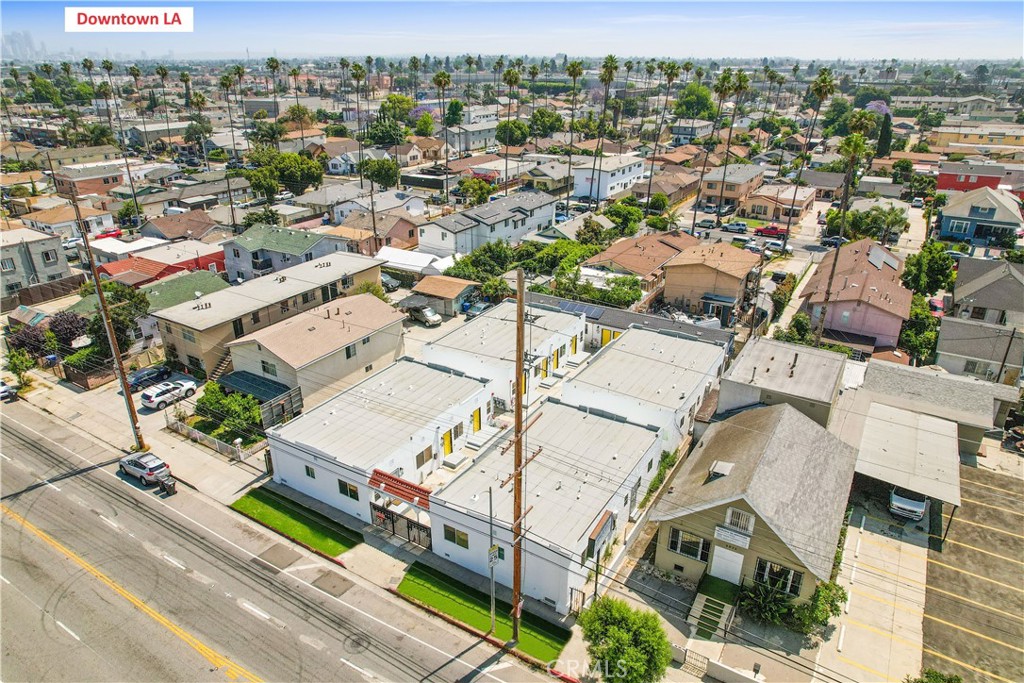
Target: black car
{"points": [[389, 283], [148, 376], [779, 276]]}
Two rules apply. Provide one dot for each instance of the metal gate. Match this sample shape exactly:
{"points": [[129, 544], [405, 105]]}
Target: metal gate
{"points": [[400, 525], [577, 600]]}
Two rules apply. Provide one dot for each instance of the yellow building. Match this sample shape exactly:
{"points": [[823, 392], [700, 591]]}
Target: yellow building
{"points": [[196, 332], [986, 134], [761, 499], [712, 279]]}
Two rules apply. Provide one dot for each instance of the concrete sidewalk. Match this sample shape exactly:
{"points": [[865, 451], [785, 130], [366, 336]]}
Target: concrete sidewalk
{"points": [[208, 472], [794, 303]]}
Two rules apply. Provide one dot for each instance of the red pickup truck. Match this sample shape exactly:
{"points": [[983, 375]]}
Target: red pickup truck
{"points": [[772, 230]]}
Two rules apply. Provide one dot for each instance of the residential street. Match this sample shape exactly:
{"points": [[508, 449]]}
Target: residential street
{"points": [[104, 580]]}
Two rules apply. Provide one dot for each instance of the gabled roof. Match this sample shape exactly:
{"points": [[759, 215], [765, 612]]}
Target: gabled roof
{"points": [[644, 255], [723, 257], [990, 284], [980, 340], [192, 225], [177, 289], [866, 272], [792, 472], [823, 179], [273, 238], [736, 173], [443, 286], [1007, 206], [516, 205], [62, 214], [136, 269]]}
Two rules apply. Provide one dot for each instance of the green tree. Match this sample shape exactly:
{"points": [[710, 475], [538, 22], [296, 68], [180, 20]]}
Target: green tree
{"points": [[453, 113], [373, 288], [20, 362], [267, 216], [695, 102], [884, 145], [495, 289], [659, 202], [933, 676], [263, 181], [297, 172], [826, 603], [476, 190], [628, 645], [929, 270], [544, 122], [622, 291], [424, 125], [512, 133], [920, 333], [126, 305], [396, 108], [383, 172], [590, 232], [128, 209], [384, 133], [626, 217]]}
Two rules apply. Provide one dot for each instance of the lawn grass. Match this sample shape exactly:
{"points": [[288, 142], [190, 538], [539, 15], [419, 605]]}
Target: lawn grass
{"points": [[537, 637], [297, 522], [718, 589], [218, 431]]}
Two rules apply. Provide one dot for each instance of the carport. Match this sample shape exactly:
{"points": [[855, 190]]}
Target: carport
{"points": [[913, 451]]}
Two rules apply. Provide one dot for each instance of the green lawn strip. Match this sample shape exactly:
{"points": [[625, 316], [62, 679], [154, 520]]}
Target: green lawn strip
{"points": [[712, 610], [720, 590], [297, 522], [704, 633], [537, 637]]}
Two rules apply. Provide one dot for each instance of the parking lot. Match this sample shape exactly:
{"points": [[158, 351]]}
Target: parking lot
{"points": [[974, 604]]}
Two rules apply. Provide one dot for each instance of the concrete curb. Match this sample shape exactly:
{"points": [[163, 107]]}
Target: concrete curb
{"points": [[532, 661], [290, 538]]}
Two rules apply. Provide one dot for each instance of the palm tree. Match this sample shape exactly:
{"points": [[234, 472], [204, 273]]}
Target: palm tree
{"points": [[574, 70], [273, 66], [649, 70], [186, 80], [238, 71], [607, 76], [65, 68], [136, 73], [358, 74], [368, 61], [442, 81], [226, 81], [104, 92], [852, 149], [511, 80], [108, 66], [47, 70], [534, 72], [740, 85], [671, 71], [295, 73], [887, 219], [498, 67], [414, 74], [198, 102], [344, 64], [89, 65], [687, 68], [721, 88], [163, 73]]}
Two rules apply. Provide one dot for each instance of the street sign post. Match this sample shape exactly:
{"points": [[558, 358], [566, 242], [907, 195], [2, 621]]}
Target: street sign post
{"points": [[492, 556]]}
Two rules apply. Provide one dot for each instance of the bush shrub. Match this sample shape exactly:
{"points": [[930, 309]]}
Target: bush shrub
{"points": [[766, 603], [85, 360], [826, 603]]}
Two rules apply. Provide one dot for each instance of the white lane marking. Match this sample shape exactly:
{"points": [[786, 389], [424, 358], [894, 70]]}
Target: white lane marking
{"points": [[5, 457], [300, 567], [496, 666], [5, 580], [69, 631], [312, 642], [52, 486], [253, 609], [361, 670], [111, 522], [176, 563], [248, 553]]}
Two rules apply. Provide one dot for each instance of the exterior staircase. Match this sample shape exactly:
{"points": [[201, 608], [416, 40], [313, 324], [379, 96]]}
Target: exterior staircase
{"points": [[709, 616], [222, 366]]}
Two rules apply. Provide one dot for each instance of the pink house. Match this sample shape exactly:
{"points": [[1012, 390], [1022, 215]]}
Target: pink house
{"points": [[867, 303]]}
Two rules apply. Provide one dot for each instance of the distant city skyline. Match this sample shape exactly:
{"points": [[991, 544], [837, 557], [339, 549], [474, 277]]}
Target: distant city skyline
{"points": [[826, 31]]}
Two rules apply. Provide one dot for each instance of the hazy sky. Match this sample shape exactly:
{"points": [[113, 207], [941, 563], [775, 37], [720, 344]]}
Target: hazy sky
{"points": [[806, 30]]}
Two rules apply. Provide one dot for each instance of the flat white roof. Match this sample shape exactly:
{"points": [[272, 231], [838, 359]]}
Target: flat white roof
{"points": [[366, 423], [801, 371], [914, 451], [584, 460], [112, 245], [176, 252], [655, 367], [220, 307]]}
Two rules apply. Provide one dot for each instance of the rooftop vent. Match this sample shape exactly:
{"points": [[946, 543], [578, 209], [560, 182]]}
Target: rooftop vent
{"points": [[719, 469]]}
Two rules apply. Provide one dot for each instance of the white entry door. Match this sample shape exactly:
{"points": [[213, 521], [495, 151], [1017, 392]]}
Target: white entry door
{"points": [[726, 565]]}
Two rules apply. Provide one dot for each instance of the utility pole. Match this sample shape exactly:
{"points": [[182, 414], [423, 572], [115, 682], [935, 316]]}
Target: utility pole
{"points": [[83, 230], [757, 290], [517, 496], [491, 561], [1006, 354]]}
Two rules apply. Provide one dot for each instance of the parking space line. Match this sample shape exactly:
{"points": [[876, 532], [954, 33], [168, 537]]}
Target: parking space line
{"points": [[866, 669], [989, 486], [895, 638], [936, 619], [961, 520], [977, 576], [974, 548], [994, 507]]}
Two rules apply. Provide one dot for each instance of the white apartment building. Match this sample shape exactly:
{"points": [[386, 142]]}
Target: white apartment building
{"points": [[508, 219], [617, 173]]}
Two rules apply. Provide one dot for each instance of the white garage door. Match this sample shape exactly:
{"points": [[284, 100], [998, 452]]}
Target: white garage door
{"points": [[726, 565]]}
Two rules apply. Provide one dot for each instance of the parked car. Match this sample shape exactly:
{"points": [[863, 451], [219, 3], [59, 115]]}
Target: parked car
{"points": [[906, 503], [147, 468], [726, 210], [777, 247], [426, 315], [833, 241], [160, 395], [706, 223], [917, 202], [561, 217], [772, 230], [954, 254], [283, 196], [735, 226], [147, 376], [753, 246], [936, 306], [72, 243], [478, 308], [6, 392], [779, 276], [116, 232], [389, 283], [822, 220]]}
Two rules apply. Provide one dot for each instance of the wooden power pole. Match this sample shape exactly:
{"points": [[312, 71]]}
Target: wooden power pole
{"points": [[83, 230], [517, 495]]}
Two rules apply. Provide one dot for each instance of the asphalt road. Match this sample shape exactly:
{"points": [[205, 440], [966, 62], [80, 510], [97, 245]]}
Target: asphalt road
{"points": [[104, 580]]}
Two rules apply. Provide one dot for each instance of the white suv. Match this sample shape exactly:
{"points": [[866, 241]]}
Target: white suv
{"points": [[147, 468], [158, 396]]}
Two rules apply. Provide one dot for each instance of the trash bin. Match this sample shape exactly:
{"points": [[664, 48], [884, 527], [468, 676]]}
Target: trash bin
{"points": [[466, 305], [168, 485]]}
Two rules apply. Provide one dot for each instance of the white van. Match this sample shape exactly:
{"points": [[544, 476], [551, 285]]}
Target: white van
{"points": [[908, 504], [175, 210]]}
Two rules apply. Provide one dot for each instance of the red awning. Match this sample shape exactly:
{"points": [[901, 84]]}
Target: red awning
{"points": [[400, 488]]}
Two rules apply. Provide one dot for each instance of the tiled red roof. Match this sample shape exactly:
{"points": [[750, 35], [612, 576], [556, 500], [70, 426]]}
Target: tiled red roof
{"points": [[400, 488], [142, 270]]}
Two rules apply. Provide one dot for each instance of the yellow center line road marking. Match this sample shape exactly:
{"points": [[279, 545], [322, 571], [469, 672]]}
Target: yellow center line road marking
{"points": [[994, 507], [919, 646], [881, 676], [230, 669], [989, 486], [908, 580], [961, 520], [908, 610]]}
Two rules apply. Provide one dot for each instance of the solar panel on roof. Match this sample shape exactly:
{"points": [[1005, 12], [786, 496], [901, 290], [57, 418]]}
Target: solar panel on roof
{"points": [[593, 312]]}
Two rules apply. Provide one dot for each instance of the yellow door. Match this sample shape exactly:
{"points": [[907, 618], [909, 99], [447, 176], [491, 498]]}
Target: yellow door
{"points": [[522, 389], [573, 345], [544, 368], [606, 336], [616, 335], [476, 420], [556, 359], [446, 442]]}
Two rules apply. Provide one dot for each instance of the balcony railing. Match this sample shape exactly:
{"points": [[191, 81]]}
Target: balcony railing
{"points": [[262, 267]]}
